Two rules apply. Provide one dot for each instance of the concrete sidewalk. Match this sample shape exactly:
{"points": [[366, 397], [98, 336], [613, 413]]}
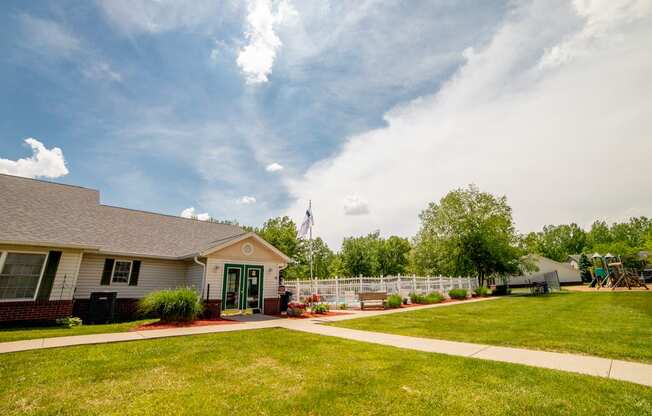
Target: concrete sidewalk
{"points": [[41, 343], [246, 323], [595, 366], [602, 367]]}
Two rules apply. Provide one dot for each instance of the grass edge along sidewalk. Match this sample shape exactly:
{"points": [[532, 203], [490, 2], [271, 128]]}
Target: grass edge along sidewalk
{"points": [[301, 373], [610, 325]]}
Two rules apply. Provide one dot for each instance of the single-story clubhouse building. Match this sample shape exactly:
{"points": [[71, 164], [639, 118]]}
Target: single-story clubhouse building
{"points": [[59, 245]]}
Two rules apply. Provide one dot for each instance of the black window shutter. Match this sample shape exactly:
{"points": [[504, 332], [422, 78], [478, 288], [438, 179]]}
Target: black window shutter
{"points": [[48, 275], [106, 274], [135, 270]]}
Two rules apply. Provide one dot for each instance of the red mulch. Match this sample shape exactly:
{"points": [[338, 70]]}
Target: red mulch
{"points": [[168, 325], [315, 315]]}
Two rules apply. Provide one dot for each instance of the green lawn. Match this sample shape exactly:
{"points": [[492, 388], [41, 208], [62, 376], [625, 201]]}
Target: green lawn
{"points": [[22, 333], [612, 325], [279, 372]]}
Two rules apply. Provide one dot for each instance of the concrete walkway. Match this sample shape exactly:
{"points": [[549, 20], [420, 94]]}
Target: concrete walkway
{"points": [[602, 367], [595, 366], [246, 322]]}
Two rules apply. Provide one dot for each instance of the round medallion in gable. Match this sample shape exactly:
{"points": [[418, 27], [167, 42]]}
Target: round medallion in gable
{"points": [[247, 249]]}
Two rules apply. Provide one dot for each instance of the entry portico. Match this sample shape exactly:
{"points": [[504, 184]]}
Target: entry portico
{"points": [[244, 273]]}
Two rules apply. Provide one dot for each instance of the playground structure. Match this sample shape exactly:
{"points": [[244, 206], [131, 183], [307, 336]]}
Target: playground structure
{"points": [[608, 271]]}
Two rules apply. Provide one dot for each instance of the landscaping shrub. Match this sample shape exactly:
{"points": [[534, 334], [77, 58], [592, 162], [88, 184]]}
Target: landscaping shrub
{"points": [[482, 291], [320, 308], [177, 305], [457, 293], [69, 322], [393, 301], [434, 297], [416, 298], [429, 299], [343, 306]]}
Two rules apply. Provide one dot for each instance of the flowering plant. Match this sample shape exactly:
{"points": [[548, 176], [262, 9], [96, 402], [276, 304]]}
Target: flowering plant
{"points": [[296, 308], [314, 298]]}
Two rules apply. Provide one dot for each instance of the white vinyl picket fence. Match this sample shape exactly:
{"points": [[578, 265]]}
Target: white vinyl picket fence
{"points": [[345, 289]]}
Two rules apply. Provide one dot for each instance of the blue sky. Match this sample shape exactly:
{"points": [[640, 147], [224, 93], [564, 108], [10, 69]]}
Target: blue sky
{"points": [[371, 108]]}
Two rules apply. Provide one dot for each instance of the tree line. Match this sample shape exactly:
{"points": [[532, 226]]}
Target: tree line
{"points": [[629, 240], [466, 233]]}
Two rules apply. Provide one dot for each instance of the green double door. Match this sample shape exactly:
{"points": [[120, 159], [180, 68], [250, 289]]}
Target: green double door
{"points": [[242, 287]]}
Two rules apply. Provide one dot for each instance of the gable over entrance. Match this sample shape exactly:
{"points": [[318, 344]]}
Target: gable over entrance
{"points": [[248, 247]]}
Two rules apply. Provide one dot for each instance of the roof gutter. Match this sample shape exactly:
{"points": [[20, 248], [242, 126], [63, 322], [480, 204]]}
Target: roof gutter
{"points": [[203, 275], [48, 244]]}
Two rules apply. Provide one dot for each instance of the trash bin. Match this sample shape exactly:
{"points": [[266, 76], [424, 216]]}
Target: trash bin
{"points": [[101, 308], [285, 299]]}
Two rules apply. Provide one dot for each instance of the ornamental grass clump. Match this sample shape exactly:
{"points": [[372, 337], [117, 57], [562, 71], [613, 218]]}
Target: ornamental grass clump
{"points": [[459, 294], [175, 305], [416, 298], [434, 297], [394, 301], [482, 291], [429, 299]]}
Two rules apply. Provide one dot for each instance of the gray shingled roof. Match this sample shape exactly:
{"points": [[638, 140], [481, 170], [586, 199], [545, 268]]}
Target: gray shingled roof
{"points": [[35, 211]]}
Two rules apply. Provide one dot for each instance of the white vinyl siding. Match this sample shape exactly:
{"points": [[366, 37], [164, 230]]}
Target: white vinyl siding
{"points": [[194, 276], [154, 275], [66, 277], [270, 285], [214, 278]]}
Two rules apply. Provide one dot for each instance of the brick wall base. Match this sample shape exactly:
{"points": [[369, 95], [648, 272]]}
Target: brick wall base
{"points": [[272, 306], [44, 311], [35, 311]]}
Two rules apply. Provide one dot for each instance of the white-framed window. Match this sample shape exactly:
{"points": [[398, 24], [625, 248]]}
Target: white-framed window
{"points": [[121, 271], [20, 274]]}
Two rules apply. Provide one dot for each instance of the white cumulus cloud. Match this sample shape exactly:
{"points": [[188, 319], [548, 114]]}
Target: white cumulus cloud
{"points": [[256, 59], [44, 162], [246, 200], [191, 213], [550, 138], [274, 167], [354, 205]]}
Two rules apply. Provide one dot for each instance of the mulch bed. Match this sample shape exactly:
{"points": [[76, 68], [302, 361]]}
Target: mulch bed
{"points": [[315, 315], [168, 325]]}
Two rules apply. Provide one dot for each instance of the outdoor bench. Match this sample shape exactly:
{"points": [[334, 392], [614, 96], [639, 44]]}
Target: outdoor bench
{"points": [[375, 297]]}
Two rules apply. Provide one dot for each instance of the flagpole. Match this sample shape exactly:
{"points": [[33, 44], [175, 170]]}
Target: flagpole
{"points": [[310, 209]]}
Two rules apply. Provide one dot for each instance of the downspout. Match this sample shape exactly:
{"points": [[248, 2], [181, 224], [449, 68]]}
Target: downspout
{"points": [[203, 276], [281, 267]]}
